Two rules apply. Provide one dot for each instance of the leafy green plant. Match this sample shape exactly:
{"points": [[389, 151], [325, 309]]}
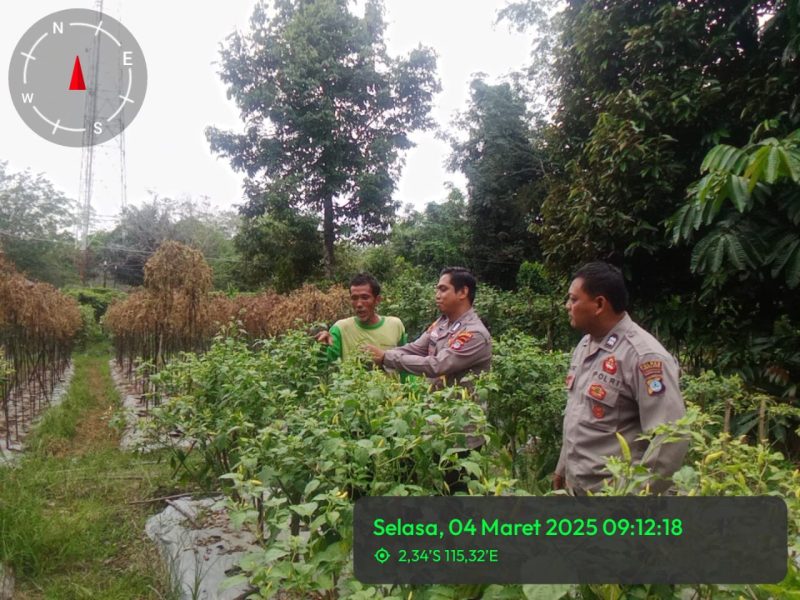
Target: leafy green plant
{"points": [[525, 395], [749, 202]]}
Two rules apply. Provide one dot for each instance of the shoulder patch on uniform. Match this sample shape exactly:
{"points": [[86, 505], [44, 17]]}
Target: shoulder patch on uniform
{"points": [[651, 368], [570, 381], [457, 341], [432, 326], [653, 371], [655, 385]]}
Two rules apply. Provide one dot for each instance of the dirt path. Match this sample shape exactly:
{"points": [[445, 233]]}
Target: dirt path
{"points": [[68, 527]]}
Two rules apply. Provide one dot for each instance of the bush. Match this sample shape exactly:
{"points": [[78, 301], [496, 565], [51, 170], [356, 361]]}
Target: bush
{"points": [[90, 330], [98, 299], [525, 395]]}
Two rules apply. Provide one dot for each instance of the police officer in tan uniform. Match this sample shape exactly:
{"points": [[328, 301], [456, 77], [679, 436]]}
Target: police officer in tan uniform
{"points": [[454, 346], [621, 379]]}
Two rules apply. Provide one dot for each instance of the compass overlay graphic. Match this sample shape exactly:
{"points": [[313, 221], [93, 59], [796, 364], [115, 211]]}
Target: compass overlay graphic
{"points": [[77, 77]]}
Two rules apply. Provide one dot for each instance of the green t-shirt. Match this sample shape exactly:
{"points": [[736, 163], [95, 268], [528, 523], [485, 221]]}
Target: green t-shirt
{"points": [[350, 334]]}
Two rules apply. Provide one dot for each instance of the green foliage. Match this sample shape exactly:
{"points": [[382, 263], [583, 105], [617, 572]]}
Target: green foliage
{"points": [[719, 465], [745, 411], [326, 111], [504, 172], [525, 395], [535, 277], [641, 92], [743, 224], [281, 249], [436, 238], [301, 444], [90, 331], [295, 445], [142, 229], [539, 315], [410, 297], [34, 227], [67, 516], [749, 205], [381, 262], [98, 298]]}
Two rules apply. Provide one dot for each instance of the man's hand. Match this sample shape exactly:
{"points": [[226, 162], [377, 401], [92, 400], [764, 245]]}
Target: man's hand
{"points": [[324, 337], [558, 482], [377, 353]]}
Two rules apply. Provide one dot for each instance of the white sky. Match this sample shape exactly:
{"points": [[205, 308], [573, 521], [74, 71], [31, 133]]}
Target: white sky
{"points": [[166, 147]]}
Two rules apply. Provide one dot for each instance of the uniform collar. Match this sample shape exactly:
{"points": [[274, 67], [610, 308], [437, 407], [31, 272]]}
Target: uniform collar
{"points": [[612, 338], [465, 318]]}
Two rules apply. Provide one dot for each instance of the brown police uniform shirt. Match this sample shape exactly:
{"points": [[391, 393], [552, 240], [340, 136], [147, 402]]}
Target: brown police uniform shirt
{"points": [[446, 354], [626, 383], [446, 350]]}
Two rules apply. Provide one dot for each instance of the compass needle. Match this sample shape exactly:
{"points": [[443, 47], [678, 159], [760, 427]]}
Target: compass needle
{"points": [[77, 82]]}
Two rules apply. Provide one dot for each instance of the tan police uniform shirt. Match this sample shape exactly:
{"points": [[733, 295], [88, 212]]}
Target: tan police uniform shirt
{"points": [[446, 350], [626, 383], [446, 354]]}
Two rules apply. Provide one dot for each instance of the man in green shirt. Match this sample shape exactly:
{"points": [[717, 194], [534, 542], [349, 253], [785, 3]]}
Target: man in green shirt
{"points": [[347, 336]]}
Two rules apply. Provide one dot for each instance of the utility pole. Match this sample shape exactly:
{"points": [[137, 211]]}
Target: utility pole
{"points": [[89, 160], [87, 153]]}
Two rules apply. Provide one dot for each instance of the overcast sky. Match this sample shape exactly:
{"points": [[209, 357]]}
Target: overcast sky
{"points": [[166, 148]]}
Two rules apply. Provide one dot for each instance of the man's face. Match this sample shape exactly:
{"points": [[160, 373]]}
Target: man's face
{"points": [[581, 307], [447, 299], [363, 301]]}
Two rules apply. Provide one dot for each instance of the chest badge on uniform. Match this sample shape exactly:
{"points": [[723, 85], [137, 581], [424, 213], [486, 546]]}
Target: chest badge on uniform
{"points": [[598, 411], [458, 340], [612, 340], [570, 381], [610, 365], [597, 391]]}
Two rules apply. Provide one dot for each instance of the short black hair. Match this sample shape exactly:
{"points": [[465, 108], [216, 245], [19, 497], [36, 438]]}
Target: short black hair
{"points": [[367, 279], [461, 277], [603, 279]]}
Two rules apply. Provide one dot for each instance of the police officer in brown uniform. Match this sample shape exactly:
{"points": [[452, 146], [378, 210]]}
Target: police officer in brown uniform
{"points": [[620, 380], [454, 346]]}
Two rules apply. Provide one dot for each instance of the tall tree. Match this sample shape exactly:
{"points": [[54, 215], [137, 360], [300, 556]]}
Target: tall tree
{"points": [[34, 227], [504, 173], [644, 89], [140, 232], [326, 111]]}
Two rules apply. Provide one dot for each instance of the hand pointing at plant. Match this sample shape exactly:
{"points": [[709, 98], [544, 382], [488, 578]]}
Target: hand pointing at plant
{"points": [[377, 353]]}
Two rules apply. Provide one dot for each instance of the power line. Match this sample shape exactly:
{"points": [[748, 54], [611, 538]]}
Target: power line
{"points": [[111, 247]]}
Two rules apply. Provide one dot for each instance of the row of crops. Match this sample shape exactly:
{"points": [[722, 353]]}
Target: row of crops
{"points": [[293, 443], [38, 325], [175, 311]]}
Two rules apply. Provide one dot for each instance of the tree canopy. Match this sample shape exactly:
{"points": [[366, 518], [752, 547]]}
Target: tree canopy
{"points": [[35, 222], [326, 112], [504, 174]]}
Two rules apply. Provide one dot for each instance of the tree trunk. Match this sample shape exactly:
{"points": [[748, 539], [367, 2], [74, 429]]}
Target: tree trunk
{"points": [[328, 235]]}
